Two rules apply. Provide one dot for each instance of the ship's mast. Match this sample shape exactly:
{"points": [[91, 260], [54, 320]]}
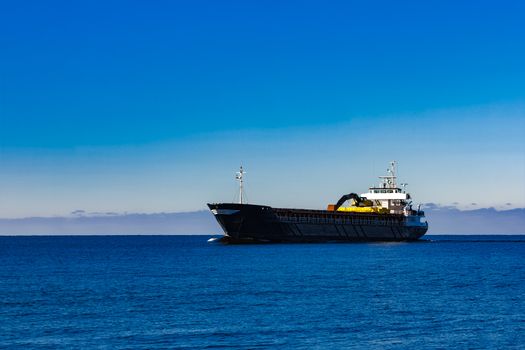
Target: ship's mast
{"points": [[393, 173], [389, 181], [239, 176]]}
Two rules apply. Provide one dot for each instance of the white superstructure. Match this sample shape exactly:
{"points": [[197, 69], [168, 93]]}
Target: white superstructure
{"points": [[388, 195]]}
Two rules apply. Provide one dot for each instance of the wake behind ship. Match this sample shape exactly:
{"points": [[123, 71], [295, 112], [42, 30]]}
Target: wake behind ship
{"points": [[384, 213]]}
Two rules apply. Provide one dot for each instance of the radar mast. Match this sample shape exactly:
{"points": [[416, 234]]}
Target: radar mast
{"points": [[389, 181]]}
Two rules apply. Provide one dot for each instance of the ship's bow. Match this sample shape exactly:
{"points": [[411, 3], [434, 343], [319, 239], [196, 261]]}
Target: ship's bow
{"points": [[245, 221]]}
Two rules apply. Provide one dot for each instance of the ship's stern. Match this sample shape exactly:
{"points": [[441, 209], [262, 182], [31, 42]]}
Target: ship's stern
{"points": [[416, 225]]}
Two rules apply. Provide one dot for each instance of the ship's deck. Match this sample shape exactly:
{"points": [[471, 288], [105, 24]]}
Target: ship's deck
{"points": [[328, 213], [325, 216]]}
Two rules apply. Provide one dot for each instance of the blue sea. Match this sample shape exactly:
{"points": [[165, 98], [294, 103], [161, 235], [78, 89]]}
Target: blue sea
{"points": [[158, 292]]}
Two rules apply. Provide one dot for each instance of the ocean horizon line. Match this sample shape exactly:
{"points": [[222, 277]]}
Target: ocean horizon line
{"points": [[218, 235]]}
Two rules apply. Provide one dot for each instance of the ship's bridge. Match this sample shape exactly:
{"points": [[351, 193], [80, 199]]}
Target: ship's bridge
{"points": [[387, 194]]}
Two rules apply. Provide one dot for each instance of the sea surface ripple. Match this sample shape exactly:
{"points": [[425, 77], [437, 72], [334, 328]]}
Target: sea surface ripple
{"points": [[157, 292]]}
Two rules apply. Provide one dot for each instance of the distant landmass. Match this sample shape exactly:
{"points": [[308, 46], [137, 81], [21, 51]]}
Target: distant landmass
{"points": [[442, 220], [82, 223]]}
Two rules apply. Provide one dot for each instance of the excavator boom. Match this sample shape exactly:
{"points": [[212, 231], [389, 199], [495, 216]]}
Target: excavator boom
{"points": [[346, 197]]}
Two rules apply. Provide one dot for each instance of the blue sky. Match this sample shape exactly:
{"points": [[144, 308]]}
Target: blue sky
{"points": [[151, 106]]}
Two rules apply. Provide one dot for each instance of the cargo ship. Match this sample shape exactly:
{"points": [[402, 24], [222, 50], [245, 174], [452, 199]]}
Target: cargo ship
{"points": [[384, 213]]}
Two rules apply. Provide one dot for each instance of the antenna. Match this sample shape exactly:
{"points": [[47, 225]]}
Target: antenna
{"points": [[389, 181], [239, 176], [393, 172]]}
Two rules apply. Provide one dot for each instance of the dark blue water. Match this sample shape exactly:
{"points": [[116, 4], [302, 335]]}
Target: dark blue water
{"points": [[180, 292]]}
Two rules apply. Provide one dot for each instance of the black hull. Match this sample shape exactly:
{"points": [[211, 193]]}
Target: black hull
{"points": [[244, 223]]}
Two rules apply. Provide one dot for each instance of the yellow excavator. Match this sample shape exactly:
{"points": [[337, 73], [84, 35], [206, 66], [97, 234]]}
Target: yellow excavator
{"points": [[359, 205]]}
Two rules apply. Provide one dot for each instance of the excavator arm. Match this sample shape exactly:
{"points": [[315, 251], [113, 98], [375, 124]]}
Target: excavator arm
{"points": [[346, 197]]}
